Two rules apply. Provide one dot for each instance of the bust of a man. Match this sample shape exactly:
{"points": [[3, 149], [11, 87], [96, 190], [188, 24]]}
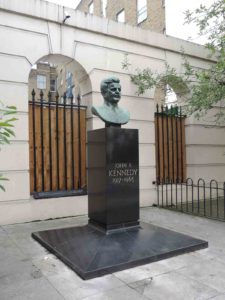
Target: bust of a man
{"points": [[110, 112]]}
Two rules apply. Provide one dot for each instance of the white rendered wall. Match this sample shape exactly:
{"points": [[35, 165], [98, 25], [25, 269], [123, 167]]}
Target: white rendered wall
{"points": [[32, 29]]}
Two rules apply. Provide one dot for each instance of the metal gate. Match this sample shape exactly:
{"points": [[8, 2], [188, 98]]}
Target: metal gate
{"points": [[57, 140], [174, 190], [170, 145]]}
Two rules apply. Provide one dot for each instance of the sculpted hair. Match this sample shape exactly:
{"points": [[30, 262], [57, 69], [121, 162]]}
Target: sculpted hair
{"points": [[106, 82]]}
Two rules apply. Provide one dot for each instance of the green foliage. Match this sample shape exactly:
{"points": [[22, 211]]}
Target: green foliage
{"points": [[210, 87], [6, 132], [210, 22], [200, 88], [208, 91], [145, 79], [2, 178]]}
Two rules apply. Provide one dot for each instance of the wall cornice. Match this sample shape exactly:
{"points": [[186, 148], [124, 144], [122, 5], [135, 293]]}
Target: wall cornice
{"points": [[55, 13]]}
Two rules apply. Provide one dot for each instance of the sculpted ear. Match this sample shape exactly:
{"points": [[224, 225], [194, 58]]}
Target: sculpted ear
{"points": [[93, 110], [105, 93]]}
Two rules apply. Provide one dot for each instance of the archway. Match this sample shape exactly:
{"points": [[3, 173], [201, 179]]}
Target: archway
{"points": [[58, 89], [171, 91]]}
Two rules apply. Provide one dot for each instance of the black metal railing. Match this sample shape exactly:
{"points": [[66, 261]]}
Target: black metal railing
{"points": [[57, 146], [207, 200], [170, 144]]}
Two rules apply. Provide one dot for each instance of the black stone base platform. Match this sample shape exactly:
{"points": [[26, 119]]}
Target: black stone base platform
{"points": [[92, 253]]}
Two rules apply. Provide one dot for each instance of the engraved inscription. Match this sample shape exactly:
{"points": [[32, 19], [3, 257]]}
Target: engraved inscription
{"points": [[122, 173]]}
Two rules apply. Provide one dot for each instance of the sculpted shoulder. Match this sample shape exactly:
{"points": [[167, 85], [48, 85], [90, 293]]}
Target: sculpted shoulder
{"points": [[109, 115]]}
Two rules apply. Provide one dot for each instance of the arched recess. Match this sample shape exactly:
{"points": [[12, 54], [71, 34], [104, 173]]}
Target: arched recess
{"points": [[58, 97], [170, 130], [171, 91]]}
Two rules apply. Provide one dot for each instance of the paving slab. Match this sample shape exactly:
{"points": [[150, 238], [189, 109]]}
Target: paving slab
{"points": [[17, 271], [49, 265], [3, 234], [185, 260], [213, 252], [24, 228], [36, 289], [211, 273], [28, 271], [219, 297], [26, 245], [173, 286], [73, 287], [142, 272], [122, 293]]}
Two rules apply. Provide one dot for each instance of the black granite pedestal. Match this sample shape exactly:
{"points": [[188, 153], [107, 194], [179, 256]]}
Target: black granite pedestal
{"points": [[113, 178], [113, 239]]}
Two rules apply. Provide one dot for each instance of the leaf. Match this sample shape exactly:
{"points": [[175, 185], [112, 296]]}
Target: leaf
{"points": [[11, 120], [9, 131], [4, 179], [6, 134], [9, 113], [2, 188], [4, 140], [12, 107], [5, 124]]}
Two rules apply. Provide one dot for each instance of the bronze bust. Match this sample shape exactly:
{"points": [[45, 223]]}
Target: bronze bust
{"points": [[110, 112]]}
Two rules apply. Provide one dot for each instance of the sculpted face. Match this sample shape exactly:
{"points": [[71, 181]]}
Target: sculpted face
{"points": [[113, 93], [110, 112]]}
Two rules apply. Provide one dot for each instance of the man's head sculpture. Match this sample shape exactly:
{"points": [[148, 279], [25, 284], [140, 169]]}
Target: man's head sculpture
{"points": [[111, 90], [110, 112]]}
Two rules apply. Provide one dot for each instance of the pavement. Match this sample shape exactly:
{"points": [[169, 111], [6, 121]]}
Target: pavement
{"points": [[29, 271]]}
